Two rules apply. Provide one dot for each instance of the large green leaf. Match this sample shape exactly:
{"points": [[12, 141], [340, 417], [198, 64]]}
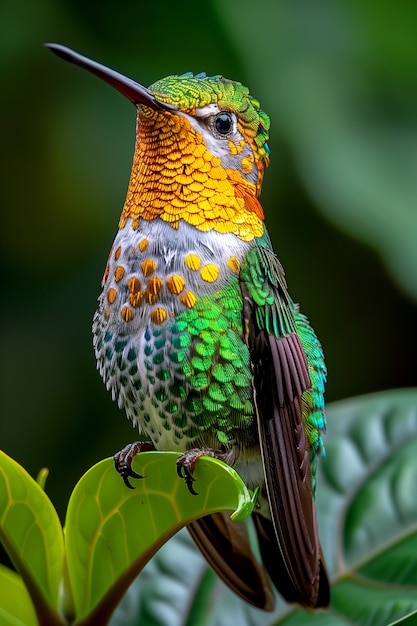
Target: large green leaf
{"points": [[368, 508], [16, 608], [410, 620], [111, 532], [32, 535], [367, 511]]}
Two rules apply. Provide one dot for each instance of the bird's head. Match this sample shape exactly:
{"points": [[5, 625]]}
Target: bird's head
{"points": [[201, 150], [225, 115]]}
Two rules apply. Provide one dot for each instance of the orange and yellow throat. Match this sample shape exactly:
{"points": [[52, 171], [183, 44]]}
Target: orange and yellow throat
{"points": [[175, 176]]}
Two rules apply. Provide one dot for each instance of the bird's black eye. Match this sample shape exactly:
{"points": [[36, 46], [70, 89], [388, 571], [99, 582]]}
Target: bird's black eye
{"points": [[223, 123]]}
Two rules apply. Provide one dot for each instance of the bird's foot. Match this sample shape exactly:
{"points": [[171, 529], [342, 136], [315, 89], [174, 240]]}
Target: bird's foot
{"points": [[187, 461], [123, 460]]}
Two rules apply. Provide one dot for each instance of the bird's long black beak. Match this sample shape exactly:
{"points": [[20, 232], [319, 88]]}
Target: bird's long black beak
{"points": [[135, 92]]}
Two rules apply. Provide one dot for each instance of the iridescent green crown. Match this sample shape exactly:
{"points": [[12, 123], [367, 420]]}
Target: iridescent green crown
{"points": [[189, 92]]}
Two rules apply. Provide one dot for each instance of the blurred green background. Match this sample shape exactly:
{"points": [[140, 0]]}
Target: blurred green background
{"points": [[338, 79]]}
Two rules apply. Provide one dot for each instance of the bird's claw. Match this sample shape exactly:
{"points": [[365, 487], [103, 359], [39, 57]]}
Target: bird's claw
{"points": [[126, 472], [185, 470], [187, 461], [123, 460]]}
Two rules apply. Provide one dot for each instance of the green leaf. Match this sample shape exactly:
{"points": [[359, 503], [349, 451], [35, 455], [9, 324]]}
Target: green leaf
{"points": [[367, 518], [111, 532], [16, 608], [174, 578], [367, 506], [366, 485], [367, 512], [409, 620], [31, 532]]}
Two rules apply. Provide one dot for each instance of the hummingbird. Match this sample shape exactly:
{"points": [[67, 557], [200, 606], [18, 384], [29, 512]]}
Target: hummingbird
{"points": [[197, 338]]}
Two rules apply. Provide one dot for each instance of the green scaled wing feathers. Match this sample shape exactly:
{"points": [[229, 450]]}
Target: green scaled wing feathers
{"points": [[287, 361], [271, 310], [313, 398], [262, 276]]}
